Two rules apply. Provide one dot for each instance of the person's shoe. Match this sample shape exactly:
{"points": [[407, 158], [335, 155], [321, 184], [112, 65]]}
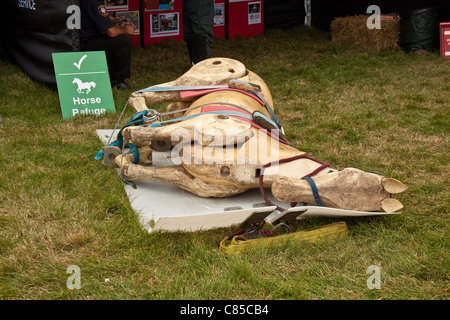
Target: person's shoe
{"points": [[121, 85]]}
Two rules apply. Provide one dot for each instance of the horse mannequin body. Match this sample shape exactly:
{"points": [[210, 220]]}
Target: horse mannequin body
{"points": [[220, 154]]}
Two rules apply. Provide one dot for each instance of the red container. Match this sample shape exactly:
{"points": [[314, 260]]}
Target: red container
{"points": [[162, 21], [445, 40], [130, 10], [245, 18]]}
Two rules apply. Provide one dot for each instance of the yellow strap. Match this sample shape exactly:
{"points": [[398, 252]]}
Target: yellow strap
{"points": [[239, 244]]}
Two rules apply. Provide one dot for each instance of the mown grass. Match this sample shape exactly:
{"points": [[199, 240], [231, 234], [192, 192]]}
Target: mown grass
{"points": [[386, 112]]}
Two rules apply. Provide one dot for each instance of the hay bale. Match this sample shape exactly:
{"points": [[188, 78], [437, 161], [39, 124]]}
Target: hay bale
{"points": [[354, 30]]}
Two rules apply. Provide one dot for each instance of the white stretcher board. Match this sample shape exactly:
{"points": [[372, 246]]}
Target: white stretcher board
{"points": [[162, 206]]}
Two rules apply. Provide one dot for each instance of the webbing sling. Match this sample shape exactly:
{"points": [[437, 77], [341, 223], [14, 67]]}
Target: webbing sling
{"points": [[137, 119], [250, 119], [232, 84], [322, 166], [268, 107], [230, 113], [314, 190], [238, 244]]}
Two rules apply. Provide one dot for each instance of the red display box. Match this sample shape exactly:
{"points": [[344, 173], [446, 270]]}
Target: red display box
{"points": [[245, 18], [445, 39], [162, 20], [130, 10]]}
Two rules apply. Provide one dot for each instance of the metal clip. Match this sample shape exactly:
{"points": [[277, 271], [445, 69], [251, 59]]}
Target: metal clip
{"points": [[152, 116]]}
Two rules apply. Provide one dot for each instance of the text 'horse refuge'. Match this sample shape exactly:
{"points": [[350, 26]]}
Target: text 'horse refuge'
{"points": [[224, 138]]}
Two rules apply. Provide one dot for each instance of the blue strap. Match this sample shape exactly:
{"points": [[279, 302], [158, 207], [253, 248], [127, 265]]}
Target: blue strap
{"points": [[99, 155], [314, 190], [134, 151], [268, 107], [116, 143], [261, 115], [221, 112], [181, 88], [137, 119]]}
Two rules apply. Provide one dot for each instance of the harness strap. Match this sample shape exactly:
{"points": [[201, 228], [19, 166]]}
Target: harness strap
{"points": [[219, 112], [268, 107], [135, 152], [232, 113], [254, 94], [196, 93], [248, 118], [137, 119], [322, 166], [314, 190]]}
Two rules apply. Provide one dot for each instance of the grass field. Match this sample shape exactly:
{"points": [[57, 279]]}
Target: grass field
{"points": [[387, 112]]}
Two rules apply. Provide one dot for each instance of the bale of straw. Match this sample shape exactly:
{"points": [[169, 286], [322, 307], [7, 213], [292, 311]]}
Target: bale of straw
{"points": [[353, 30]]}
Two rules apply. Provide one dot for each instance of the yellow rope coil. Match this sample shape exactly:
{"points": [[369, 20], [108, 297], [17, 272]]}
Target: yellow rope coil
{"points": [[239, 244]]}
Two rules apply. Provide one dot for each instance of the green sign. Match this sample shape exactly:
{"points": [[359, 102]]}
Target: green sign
{"points": [[83, 83]]}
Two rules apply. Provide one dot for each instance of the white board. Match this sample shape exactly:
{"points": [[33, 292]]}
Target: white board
{"points": [[316, 211]]}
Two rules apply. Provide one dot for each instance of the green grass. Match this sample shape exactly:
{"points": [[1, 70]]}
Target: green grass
{"points": [[386, 112]]}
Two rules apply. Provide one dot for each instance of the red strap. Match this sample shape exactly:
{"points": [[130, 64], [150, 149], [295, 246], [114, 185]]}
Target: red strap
{"points": [[223, 108], [195, 93], [253, 124]]}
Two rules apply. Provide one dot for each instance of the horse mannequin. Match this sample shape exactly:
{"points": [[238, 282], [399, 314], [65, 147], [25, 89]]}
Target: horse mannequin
{"points": [[222, 154]]}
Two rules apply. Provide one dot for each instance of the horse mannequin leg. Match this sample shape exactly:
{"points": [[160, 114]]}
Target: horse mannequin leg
{"points": [[349, 189]]}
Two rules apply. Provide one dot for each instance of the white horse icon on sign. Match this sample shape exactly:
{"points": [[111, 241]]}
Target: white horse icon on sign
{"points": [[83, 85]]}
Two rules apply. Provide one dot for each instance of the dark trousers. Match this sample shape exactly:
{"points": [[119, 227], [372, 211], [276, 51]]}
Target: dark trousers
{"points": [[198, 19], [117, 51], [198, 49]]}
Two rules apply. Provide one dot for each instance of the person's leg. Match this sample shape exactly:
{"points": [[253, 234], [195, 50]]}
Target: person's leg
{"points": [[118, 54], [188, 36], [196, 40], [198, 18], [200, 49]]}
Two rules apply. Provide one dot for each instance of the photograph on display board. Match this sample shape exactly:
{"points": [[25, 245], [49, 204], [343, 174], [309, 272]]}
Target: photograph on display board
{"points": [[254, 12], [164, 24], [219, 13], [130, 16], [151, 5], [116, 4]]}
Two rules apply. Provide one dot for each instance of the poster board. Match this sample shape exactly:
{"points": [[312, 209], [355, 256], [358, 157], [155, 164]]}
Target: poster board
{"points": [[219, 19], [162, 20], [245, 18], [445, 39], [131, 11]]}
